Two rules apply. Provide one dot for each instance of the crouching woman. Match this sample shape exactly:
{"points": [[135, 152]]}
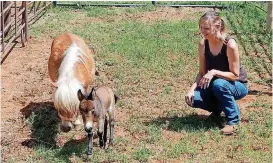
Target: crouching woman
{"points": [[221, 79]]}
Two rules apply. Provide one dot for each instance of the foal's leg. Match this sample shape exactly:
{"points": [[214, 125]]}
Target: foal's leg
{"points": [[105, 132], [111, 124], [100, 131], [90, 143]]}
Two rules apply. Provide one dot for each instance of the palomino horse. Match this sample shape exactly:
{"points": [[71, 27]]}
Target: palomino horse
{"points": [[71, 67]]}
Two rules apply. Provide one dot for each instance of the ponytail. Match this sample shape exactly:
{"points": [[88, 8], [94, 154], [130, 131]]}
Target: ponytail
{"points": [[215, 19]]}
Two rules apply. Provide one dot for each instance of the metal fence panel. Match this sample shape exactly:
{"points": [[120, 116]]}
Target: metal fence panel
{"points": [[15, 19]]}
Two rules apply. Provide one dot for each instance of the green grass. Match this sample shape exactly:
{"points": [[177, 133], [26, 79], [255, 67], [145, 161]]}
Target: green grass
{"points": [[142, 154], [151, 66]]}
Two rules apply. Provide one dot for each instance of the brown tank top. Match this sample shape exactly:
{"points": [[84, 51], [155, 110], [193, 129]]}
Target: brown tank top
{"points": [[220, 61]]}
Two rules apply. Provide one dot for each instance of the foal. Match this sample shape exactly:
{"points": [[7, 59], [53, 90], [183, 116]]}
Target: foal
{"points": [[93, 109]]}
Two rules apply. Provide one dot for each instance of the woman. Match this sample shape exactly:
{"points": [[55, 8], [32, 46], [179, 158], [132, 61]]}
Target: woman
{"points": [[221, 79]]}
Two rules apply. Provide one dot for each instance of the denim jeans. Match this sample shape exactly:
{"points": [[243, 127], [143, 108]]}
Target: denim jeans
{"points": [[221, 96]]}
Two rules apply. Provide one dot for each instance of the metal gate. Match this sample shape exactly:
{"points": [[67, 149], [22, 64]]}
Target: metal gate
{"points": [[15, 19]]}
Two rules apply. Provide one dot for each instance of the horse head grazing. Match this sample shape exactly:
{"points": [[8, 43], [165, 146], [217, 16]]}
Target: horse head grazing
{"points": [[71, 67]]}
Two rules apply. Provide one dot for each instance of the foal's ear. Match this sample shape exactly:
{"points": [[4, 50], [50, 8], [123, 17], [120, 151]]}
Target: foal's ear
{"points": [[80, 95], [92, 94]]}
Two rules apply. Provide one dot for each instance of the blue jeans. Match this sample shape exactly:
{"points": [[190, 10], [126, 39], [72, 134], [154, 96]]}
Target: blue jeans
{"points": [[221, 96]]}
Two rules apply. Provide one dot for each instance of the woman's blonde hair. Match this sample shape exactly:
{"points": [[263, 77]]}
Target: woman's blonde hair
{"points": [[215, 20]]}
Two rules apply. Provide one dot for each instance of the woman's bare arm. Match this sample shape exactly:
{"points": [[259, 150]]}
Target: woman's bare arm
{"points": [[202, 64]]}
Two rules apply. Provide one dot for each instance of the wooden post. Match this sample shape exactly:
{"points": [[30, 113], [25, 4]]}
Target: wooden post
{"points": [[26, 19], [15, 18], [2, 28], [24, 31], [54, 3], [269, 15]]}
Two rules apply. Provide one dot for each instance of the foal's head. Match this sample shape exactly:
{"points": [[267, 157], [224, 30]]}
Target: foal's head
{"points": [[87, 107]]}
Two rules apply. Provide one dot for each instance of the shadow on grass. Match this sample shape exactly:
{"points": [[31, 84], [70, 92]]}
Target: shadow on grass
{"points": [[73, 147], [189, 123], [77, 148], [44, 123]]}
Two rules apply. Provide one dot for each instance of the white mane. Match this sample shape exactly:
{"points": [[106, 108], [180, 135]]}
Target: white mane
{"points": [[66, 97]]}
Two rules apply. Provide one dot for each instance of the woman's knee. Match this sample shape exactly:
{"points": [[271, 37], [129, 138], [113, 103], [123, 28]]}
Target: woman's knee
{"points": [[218, 84]]}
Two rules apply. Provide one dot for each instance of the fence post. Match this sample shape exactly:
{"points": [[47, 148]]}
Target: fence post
{"points": [[54, 3], [24, 34], [2, 28], [269, 15]]}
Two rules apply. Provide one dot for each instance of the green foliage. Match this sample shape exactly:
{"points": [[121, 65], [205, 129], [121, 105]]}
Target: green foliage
{"points": [[248, 23]]}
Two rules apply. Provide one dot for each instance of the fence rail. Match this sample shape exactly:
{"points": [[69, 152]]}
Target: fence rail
{"points": [[16, 16], [15, 19], [130, 4]]}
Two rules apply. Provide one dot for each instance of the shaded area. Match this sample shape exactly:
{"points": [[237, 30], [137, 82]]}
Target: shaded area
{"points": [[188, 123], [73, 147], [256, 92], [44, 123], [76, 148]]}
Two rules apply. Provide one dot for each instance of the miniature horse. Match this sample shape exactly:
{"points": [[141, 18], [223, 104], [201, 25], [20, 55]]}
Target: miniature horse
{"points": [[93, 108], [71, 67]]}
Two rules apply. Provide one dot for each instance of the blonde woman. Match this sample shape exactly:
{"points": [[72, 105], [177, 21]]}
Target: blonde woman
{"points": [[221, 79]]}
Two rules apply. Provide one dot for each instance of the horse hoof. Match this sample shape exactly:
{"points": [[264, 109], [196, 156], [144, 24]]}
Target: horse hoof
{"points": [[89, 155]]}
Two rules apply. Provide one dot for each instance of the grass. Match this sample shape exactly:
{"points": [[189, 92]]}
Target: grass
{"points": [[151, 66]]}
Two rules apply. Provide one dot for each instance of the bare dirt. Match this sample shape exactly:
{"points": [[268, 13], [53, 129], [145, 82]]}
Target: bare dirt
{"points": [[24, 82]]}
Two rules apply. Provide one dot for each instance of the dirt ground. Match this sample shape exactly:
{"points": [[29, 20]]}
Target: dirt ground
{"points": [[26, 86], [25, 83]]}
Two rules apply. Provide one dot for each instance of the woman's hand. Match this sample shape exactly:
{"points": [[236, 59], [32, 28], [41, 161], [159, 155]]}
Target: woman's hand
{"points": [[189, 97], [206, 79]]}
